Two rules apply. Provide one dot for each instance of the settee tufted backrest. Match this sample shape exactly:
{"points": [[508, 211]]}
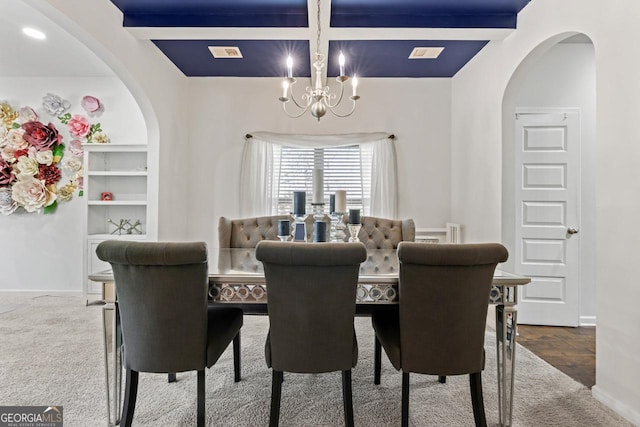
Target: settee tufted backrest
{"points": [[247, 232], [376, 233], [385, 233]]}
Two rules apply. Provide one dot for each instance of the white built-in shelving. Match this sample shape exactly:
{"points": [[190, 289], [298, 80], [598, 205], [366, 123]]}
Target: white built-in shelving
{"points": [[122, 170]]}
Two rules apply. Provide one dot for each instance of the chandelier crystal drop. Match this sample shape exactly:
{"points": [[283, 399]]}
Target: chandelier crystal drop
{"points": [[319, 98]]}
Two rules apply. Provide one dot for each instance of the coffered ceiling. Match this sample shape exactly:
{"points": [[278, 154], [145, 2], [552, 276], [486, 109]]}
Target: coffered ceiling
{"points": [[376, 36]]}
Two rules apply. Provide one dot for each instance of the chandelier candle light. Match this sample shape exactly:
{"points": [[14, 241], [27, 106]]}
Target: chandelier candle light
{"points": [[317, 99]]}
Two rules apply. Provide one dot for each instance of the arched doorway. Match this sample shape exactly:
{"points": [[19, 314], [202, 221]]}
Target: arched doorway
{"points": [[549, 180]]}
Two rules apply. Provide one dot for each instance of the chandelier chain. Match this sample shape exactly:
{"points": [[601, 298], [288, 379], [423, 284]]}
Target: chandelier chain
{"points": [[318, 98], [318, 31]]}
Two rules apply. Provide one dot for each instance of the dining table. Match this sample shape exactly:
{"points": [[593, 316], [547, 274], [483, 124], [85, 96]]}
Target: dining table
{"points": [[237, 279]]}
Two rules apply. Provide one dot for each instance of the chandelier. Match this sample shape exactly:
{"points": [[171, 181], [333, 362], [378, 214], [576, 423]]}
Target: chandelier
{"points": [[319, 98]]}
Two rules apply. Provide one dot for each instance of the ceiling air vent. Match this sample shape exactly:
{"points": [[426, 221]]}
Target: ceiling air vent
{"points": [[225, 51], [426, 52]]}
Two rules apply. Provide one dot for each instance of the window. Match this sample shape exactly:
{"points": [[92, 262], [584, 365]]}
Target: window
{"points": [[345, 168], [276, 165]]}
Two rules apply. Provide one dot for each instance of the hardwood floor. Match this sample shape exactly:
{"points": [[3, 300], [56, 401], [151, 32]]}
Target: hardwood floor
{"points": [[571, 350]]}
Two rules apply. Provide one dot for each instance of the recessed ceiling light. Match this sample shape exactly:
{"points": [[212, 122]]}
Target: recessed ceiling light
{"points": [[33, 33], [225, 51], [426, 52]]}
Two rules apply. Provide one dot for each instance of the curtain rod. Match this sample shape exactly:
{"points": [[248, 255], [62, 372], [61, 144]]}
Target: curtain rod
{"points": [[247, 136]]}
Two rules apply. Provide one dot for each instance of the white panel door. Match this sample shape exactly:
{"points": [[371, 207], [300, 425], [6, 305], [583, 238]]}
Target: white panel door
{"points": [[547, 216]]}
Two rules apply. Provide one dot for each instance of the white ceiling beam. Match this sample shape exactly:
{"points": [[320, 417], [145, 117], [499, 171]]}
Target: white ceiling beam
{"points": [[419, 33], [302, 33], [219, 33]]}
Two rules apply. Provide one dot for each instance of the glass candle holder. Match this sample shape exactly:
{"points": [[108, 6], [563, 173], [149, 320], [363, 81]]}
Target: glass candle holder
{"points": [[354, 229], [337, 227], [318, 211], [299, 228]]}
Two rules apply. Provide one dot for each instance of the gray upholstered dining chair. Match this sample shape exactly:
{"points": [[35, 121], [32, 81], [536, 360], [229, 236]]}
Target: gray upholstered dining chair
{"points": [[167, 325], [440, 325], [311, 295], [384, 233]]}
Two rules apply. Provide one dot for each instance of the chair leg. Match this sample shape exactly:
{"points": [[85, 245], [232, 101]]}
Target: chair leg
{"points": [[201, 385], [405, 399], [377, 350], [236, 357], [130, 394], [347, 398], [475, 382], [442, 379], [171, 377], [276, 390]]}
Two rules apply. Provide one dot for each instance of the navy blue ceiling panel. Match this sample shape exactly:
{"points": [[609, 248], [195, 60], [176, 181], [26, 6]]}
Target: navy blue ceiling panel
{"points": [[389, 58], [367, 58], [209, 13], [426, 13], [261, 58]]}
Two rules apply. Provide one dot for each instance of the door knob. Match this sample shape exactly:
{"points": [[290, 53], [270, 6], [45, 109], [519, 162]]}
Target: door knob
{"points": [[572, 230]]}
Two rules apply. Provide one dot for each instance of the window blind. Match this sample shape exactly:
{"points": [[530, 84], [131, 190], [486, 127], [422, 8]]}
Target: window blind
{"points": [[345, 168]]}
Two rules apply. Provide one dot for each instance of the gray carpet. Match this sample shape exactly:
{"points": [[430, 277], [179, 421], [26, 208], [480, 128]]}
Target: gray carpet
{"points": [[51, 354]]}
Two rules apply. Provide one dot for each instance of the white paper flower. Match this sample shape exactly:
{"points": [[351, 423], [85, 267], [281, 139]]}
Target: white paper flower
{"points": [[71, 165], [27, 166], [15, 137], [27, 114], [7, 152], [32, 194], [54, 105], [7, 204], [44, 157], [3, 136]]}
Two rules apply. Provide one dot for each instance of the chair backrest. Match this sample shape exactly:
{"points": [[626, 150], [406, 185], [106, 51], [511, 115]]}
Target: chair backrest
{"points": [[162, 299], [444, 296], [248, 232], [311, 295], [384, 233]]}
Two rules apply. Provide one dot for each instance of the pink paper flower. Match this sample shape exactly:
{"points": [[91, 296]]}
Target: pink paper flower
{"points": [[76, 149], [40, 136], [6, 173], [91, 104], [79, 126]]}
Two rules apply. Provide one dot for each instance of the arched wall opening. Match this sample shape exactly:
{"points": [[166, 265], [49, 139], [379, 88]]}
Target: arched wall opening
{"points": [[557, 74], [63, 65]]}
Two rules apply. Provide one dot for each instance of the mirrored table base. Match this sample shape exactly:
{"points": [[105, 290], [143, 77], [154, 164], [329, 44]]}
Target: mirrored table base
{"points": [[253, 297]]}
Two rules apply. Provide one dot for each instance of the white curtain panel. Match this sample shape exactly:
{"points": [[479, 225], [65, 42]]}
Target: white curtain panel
{"points": [[384, 186], [260, 174]]}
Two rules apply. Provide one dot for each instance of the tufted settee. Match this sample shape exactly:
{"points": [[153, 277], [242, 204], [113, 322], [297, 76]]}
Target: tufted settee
{"points": [[247, 232], [376, 233]]}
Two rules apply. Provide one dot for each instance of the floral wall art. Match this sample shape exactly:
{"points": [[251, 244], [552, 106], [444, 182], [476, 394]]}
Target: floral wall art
{"points": [[39, 167]]}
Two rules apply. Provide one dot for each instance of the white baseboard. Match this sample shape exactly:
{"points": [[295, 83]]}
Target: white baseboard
{"points": [[587, 320], [615, 405], [41, 292]]}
